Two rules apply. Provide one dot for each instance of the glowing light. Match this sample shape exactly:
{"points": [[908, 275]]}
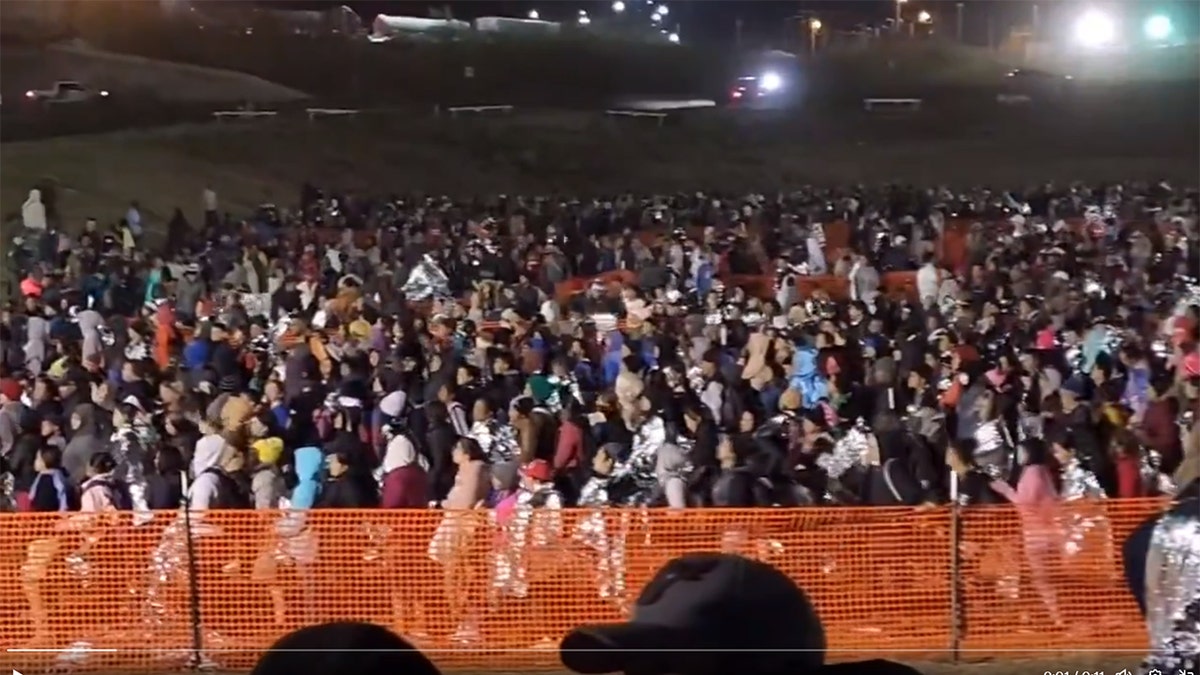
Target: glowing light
{"points": [[1158, 27], [815, 24], [662, 10], [656, 17], [584, 20], [924, 17], [618, 6], [770, 82], [533, 14], [1095, 29], [673, 38]]}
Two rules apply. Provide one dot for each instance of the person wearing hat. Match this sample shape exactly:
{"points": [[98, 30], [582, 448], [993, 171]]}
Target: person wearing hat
{"points": [[343, 646], [710, 614]]}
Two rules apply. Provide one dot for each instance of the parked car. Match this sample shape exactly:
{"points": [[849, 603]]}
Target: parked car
{"points": [[1033, 84], [66, 91]]}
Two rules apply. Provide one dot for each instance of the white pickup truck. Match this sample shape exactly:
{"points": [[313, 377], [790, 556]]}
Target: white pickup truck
{"points": [[66, 91]]}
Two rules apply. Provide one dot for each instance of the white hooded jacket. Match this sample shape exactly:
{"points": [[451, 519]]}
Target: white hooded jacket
{"points": [[33, 212]]}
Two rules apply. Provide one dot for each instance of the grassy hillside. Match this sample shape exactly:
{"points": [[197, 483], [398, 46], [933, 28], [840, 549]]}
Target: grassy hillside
{"points": [[568, 152]]}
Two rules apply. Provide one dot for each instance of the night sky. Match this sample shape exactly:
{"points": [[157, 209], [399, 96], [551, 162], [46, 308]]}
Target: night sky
{"points": [[714, 21]]}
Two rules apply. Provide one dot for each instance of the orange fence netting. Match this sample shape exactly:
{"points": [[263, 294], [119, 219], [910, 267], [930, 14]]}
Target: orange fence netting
{"points": [[885, 581]]}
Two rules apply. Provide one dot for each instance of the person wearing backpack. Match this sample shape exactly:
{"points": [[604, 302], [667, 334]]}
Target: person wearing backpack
{"points": [[102, 490], [218, 487]]}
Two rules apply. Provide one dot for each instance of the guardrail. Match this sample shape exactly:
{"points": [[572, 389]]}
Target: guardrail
{"points": [[314, 113], [103, 592], [454, 111], [223, 115], [1014, 99], [659, 117], [907, 104]]}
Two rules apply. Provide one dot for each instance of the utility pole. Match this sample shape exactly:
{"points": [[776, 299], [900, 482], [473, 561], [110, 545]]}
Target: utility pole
{"points": [[1033, 28], [737, 32], [959, 19]]}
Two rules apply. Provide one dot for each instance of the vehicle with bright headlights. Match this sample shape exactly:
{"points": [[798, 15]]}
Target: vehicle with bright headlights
{"points": [[750, 88], [66, 91]]}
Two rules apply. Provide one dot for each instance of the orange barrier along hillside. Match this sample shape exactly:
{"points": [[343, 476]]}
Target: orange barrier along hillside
{"points": [[883, 580]]}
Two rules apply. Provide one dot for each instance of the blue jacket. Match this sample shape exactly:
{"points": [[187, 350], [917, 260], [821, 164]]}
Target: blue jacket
{"points": [[611, 365], [309, 463], [806, 378], [196, 354]]}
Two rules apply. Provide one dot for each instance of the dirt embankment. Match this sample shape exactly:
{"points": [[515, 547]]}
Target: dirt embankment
{"points": [[24, 68]]}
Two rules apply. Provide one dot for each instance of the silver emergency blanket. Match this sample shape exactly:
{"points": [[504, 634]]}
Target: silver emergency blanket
{"points": [[642, 461], [695, 379], [604, 322], [555, 403], [1173, 595], [1150, 470], [280, 328], [498, 441], [256, 304], [8, 501], [137, 351], [427, 281], [605, 537], [993, 452], [129, 446], [536, 525], [848, 452], [1081, 527], [1030, 426]]}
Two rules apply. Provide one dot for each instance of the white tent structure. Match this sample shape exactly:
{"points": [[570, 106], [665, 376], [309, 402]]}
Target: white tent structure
{"points": [[386, 27]]}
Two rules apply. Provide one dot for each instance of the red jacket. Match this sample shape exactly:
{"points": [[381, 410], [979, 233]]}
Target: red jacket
{"points": [[405, 488], [568, 453], [1129, 478]]}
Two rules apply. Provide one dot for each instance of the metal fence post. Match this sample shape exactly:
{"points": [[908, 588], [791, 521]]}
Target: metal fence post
{"points": [[957, 617], [196, 659]]}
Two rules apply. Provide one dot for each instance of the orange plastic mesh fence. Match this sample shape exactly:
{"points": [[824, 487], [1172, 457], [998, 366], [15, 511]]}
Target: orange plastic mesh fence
{"points": [[883, 579]]}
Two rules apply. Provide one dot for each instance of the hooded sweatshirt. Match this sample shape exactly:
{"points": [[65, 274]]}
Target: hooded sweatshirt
{"points": [[33, 212], [405, 477], [207, 454], [89, 327], [83, 444], [308, 462], [37, 333]]}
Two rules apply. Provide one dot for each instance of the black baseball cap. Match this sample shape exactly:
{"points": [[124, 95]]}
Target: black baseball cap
{"points": [[343, 646], [701, 610]]}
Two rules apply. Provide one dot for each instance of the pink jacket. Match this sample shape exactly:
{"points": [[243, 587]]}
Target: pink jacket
{"points": [[1037, 502], [97, 495], [471, 485]]}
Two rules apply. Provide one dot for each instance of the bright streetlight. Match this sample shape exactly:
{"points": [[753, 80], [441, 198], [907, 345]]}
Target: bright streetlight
{"points": [[662, 10], [1158, 27], [618, 6], [673, 38], [814, 27], [1095, 29], [656, 17], [533, 14], [924, 17]]}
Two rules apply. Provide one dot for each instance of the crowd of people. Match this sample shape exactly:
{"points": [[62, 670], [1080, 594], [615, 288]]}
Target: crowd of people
{"points": [[418, 352], [425, 353]]}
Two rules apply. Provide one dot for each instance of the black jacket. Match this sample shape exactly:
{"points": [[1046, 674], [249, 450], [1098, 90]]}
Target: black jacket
{"points": [[351, 490]]}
